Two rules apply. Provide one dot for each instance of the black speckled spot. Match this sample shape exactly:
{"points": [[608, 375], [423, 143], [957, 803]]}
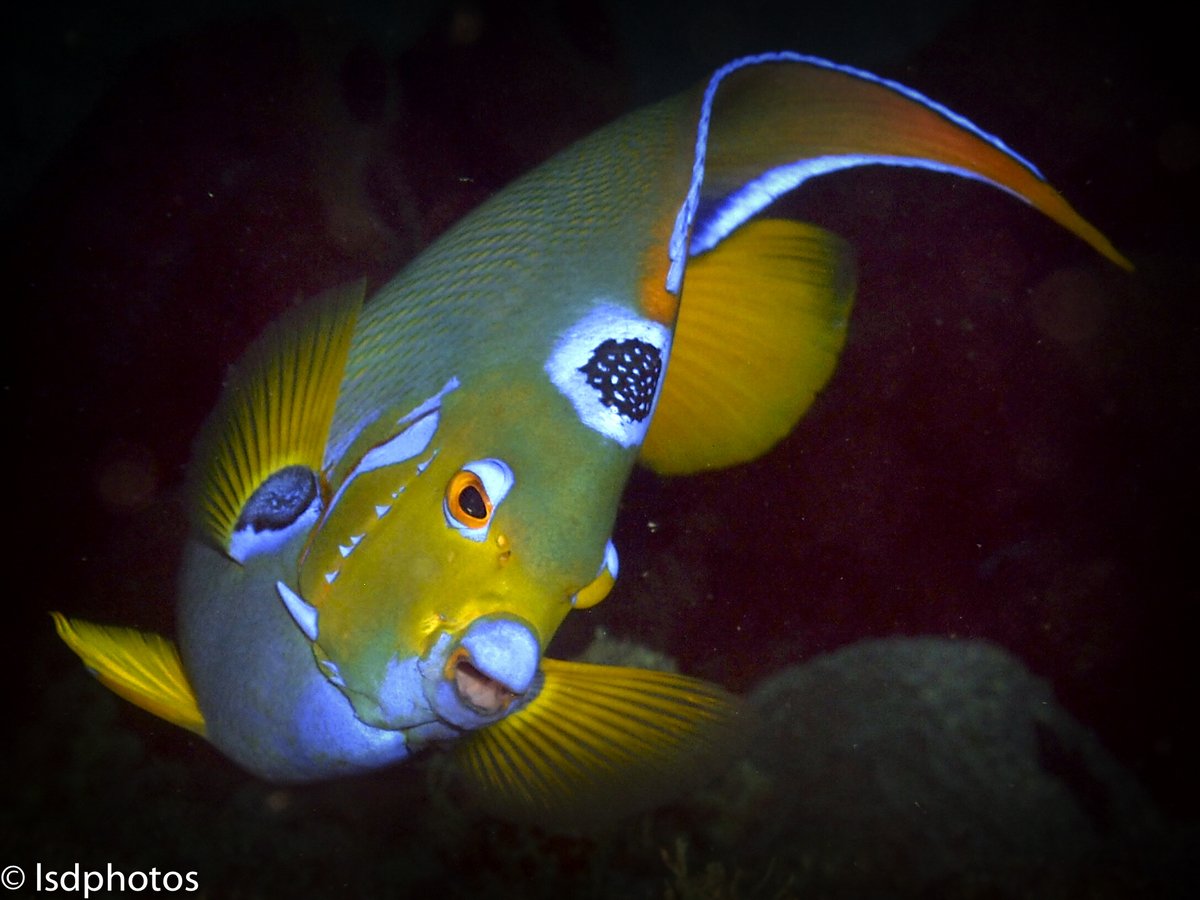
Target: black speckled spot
{"points": [[279, 500], [625, 374]]}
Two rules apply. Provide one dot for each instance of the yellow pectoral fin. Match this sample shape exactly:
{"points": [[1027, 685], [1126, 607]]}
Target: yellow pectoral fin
{"points": [[601, 742], [275, 410], [143, 668], [761, 323]]}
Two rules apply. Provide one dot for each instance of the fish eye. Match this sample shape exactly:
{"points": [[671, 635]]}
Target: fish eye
{"points": [[473, 494], [467, 499]]}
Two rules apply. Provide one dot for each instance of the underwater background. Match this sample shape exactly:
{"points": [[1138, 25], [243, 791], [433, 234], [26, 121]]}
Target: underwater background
{"points": [[957, 595]]}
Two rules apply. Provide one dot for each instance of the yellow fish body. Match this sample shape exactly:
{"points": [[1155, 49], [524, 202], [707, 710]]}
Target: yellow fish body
{"points": [[396, 504]]}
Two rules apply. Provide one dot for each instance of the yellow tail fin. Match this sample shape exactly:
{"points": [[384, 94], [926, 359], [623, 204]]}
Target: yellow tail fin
{"points": [[761, 323]]}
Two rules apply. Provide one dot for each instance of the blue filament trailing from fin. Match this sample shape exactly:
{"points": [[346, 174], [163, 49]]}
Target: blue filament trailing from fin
{"points": [[732, 211]]}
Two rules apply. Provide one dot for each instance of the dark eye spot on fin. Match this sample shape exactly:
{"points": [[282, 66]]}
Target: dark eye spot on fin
{"points": [[280, 500], [274, 413], [288, 502]]}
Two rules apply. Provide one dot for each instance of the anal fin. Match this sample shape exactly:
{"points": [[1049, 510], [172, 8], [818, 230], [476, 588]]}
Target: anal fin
{"points": [[140, 666]]}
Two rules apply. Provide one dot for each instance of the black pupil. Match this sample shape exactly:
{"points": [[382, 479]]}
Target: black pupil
{"points": [[471, 502]]}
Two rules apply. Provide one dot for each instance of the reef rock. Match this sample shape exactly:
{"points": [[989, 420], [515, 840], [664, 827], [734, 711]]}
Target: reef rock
{"points": [[933, 767]]}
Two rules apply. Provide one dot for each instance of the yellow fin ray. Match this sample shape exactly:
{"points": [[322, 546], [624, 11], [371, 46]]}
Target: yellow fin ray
{"points": [[140, 666], [761, 324], [276, 410], [599, 742]]}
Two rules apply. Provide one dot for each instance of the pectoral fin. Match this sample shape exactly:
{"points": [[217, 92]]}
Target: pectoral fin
{"points": [[601, 742], [143, 668], [274, 417]]}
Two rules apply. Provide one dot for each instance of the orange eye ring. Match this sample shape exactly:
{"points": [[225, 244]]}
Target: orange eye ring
{"points": [[473, 495], [467, 500]]}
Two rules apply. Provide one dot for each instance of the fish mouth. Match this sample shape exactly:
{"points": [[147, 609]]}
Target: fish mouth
{"points": [[477, 690], [492, 664]]}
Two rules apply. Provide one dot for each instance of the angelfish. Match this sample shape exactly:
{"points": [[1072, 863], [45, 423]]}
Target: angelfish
{"points": [[395, 503]]}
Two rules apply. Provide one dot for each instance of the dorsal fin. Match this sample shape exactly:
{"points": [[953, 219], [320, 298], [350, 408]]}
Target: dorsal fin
{"points": [[768, 123], [601, 742], [761, 323], [276, 409], [744, 365]]}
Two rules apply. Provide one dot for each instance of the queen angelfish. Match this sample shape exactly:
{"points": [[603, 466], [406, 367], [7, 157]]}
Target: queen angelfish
{"points": [[396, 503]]}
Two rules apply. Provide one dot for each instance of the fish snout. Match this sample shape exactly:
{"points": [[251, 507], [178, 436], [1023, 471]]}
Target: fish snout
{"points": [[495, 662]]}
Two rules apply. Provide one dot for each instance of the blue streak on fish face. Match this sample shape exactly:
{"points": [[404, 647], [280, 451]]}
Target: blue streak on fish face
{"points": [[325, 720], [266, 701]]}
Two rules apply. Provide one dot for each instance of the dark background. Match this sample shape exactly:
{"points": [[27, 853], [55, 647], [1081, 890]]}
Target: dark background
{"points": [[1007, 451]]}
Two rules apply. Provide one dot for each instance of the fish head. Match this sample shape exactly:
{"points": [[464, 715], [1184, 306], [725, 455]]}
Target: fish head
{"points": [[437, 580]]}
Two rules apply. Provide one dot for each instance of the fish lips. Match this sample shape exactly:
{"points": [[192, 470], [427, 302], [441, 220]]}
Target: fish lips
{"points": [[484, 672]]}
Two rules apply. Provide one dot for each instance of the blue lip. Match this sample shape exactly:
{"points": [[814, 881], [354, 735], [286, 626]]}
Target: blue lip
{"points": [[475, 680], [504, 650]]}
